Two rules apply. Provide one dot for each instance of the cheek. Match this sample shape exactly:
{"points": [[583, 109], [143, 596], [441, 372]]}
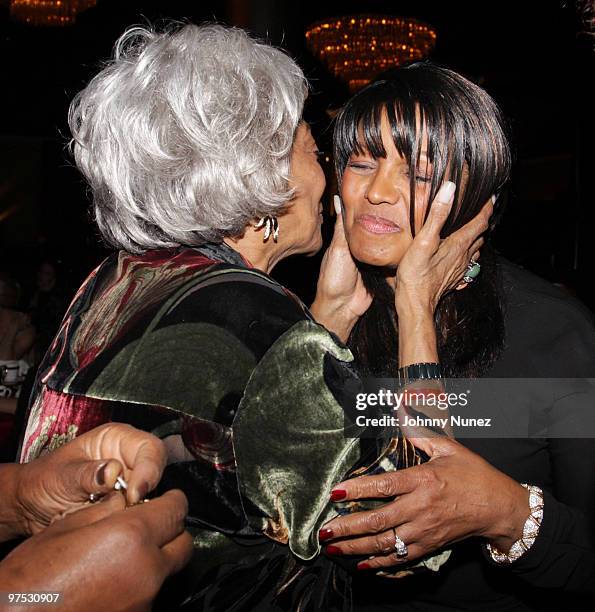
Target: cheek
{"points": [[353, 187], [321, 179], [350, 196]]}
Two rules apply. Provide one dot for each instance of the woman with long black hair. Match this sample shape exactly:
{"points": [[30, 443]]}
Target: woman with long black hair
{"points": [[520, 508]]}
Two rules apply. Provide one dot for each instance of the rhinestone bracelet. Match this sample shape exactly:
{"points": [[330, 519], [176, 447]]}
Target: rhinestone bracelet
{"points": [[530, 529]]}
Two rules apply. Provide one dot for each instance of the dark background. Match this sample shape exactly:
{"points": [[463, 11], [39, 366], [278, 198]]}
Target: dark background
{"points": [[534, 57]]}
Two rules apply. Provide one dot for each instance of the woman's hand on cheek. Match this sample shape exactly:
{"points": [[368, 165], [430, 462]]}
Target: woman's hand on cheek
{"points": [[432, 266], [341, 297]]}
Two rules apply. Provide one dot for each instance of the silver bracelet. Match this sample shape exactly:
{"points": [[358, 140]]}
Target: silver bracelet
{"points": [[530, 529]]}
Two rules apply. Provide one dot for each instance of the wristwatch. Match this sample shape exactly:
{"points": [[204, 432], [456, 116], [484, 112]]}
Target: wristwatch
{"points": [[418, 371]]}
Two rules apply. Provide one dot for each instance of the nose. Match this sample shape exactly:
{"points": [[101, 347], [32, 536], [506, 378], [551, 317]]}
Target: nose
{"points": [[384, 188]]}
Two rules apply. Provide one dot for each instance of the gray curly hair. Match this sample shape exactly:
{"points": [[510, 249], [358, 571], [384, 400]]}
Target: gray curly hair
{"points": [[185, 136]]}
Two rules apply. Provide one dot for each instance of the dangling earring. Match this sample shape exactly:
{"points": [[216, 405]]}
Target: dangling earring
{"points": [[271, 226]]}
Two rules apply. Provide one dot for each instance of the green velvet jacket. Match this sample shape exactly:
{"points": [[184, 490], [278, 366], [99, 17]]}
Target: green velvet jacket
{"points": [[251, 395]]}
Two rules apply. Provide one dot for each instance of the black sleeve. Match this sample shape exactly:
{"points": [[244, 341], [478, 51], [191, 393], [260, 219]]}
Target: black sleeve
{"points": [[563, 554]]}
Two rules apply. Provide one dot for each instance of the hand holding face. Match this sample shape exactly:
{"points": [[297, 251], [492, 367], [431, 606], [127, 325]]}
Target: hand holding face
{"points": [[62, 481], [457, 494], [432, 266], [341, 297], [105, 556]]}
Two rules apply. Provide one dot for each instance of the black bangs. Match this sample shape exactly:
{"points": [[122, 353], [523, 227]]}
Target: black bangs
{"points": [[358, 126]]}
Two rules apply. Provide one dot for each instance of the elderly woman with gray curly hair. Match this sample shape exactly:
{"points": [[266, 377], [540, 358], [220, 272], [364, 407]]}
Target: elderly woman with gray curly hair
{"points": [[204, 176]]}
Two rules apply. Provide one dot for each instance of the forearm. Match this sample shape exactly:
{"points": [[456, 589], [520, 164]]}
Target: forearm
{"points": [[417, 333], [24, 341], [11, 522], [8, 406]]}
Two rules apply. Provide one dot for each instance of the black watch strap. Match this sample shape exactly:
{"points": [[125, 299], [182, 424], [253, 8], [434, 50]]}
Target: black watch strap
{"points": [[419, 371]]}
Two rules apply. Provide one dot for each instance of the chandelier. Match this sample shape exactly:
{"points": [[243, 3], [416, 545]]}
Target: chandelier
{"points": [[48, 12], [358, 47]]}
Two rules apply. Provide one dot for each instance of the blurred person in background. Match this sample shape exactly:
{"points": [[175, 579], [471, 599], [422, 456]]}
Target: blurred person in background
{"points": [[48, 304], [17, 337]]}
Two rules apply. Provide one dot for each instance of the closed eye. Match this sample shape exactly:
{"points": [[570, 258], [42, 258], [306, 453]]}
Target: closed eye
{"points": [[422, 178], [360, 165]]}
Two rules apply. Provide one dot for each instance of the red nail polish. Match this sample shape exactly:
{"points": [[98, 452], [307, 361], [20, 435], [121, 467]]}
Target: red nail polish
{"points": [[325, 534], [338, 495], [333, 550], [363, 566]]}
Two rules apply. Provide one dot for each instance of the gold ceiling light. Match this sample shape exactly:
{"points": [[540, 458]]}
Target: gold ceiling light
{"points": [[358, 47], [48, 12]]}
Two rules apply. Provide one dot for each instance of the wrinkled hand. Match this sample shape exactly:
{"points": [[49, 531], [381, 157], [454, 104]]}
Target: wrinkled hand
{"points": [[455, 495], [431, 266], [341, 297], [104, 557], [62, 481]]}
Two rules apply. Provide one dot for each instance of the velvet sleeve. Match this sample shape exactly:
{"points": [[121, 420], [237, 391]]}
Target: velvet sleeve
{"points": [[289, 437]]}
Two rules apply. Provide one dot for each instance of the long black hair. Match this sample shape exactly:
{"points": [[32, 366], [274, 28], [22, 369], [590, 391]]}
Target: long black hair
{"points": [[466, 141]]}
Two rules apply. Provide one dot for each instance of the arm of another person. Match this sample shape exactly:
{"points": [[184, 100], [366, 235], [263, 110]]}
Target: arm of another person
{"points": [[103, 557], [25, 336], [8, 406], [48, 498], [35, 493]]}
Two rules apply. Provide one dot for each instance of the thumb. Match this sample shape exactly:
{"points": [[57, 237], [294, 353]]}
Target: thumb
{"points": [[81, 478], [435, 445], [339, 238]]}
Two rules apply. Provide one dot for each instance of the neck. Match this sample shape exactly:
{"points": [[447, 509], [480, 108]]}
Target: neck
{"points": [[262, 255]]}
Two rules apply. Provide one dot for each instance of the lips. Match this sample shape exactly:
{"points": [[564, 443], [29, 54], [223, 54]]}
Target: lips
{"points": [[378, 225]]}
